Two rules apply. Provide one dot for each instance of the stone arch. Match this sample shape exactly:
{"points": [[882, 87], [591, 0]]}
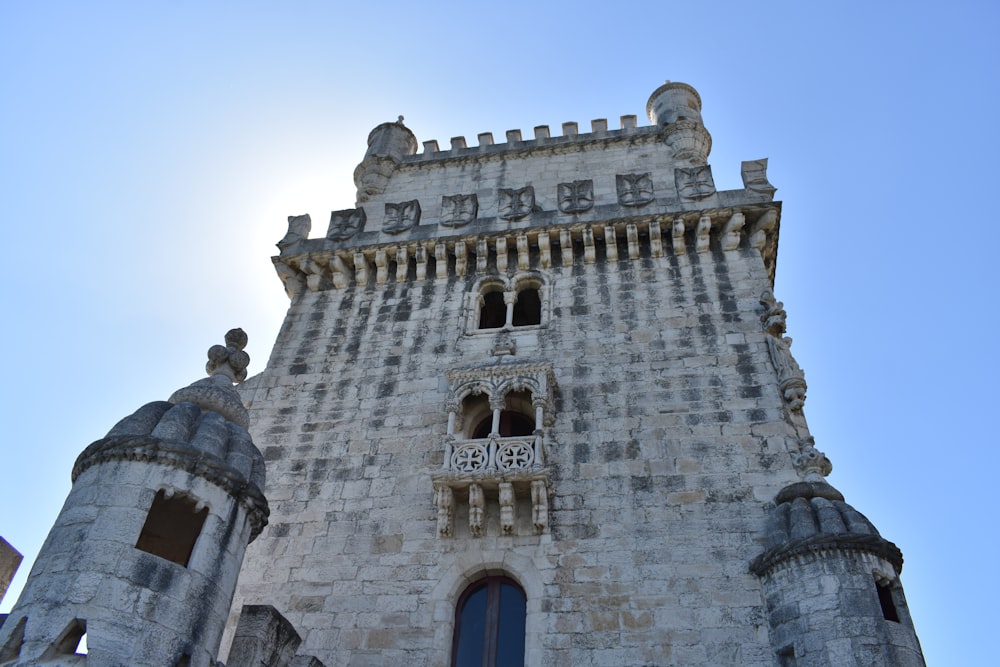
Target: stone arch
{"points": [[470, 567]]}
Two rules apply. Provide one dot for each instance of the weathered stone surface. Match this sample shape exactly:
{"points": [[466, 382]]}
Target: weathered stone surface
{"points": [[10, 560], [264, 638]]}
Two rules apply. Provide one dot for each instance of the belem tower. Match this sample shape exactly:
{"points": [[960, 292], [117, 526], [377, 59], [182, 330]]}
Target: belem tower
{"points": [[533, 403]]}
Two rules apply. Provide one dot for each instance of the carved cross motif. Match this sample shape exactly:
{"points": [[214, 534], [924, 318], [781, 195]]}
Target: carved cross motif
{"points": [[694, 182], [458, 210], [635, 189], [468, 458], [345, 224], [515, 204], [402, 216], [576, 197], [514, 455]]}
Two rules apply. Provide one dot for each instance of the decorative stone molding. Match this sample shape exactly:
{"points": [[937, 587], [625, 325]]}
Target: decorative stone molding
{"points": [[634, 189], [689, 141], [576, 197], [319, 264], [536, 378], [458, 210], [345, 224], [812, 519], [791, 379]]}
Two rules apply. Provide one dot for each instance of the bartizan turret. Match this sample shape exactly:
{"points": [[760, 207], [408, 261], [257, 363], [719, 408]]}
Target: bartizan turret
{"points": [[831, 582], [144, 556]]}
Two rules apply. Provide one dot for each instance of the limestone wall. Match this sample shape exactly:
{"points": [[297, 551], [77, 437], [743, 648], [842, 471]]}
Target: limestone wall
{"points": [[668, 438]]}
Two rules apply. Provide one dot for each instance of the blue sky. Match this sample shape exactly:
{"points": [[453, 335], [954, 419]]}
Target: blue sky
{"points": [[150, 153]]}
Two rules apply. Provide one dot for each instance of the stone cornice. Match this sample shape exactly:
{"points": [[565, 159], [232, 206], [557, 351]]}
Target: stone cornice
{"points": [[176, 455], [547, 239]]}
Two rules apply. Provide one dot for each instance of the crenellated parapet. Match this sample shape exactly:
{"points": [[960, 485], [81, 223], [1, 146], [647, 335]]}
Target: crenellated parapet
{"points": [[635, 191]]}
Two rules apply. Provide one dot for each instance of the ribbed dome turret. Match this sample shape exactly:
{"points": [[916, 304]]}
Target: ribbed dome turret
{"points": [[202, 429], [812, 516]]}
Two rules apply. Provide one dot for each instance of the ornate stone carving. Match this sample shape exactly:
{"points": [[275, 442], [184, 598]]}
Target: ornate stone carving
{"points": [[635, 189], [444, 497], [476, 502], [536, 378], [515, 204], [345, 224], [688, 140], [810, 463], [576, 197], [229, 360], [298, 230], [754, 174], [791, 379], [694, 183], [458, 210], [540, 505], [506, 508], [401, 217]]}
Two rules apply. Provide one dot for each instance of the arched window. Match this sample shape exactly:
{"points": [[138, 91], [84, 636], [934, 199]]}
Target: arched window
{"points": [[493, 310], [489, 625], [527, 308]]}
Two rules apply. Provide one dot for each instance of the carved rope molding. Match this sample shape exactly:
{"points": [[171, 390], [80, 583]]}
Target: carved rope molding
{"points": [[148, 449], [323, 267]]}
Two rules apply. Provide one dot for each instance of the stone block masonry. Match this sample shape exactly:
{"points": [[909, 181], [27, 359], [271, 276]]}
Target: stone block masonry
{"points": [[554, 362]]}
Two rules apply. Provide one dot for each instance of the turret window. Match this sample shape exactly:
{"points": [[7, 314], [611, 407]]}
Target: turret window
{"points": [[886, 601], [172, 527]]}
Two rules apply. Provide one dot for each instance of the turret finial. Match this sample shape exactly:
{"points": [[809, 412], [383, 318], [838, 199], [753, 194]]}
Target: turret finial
{"points": [[229, 360]]}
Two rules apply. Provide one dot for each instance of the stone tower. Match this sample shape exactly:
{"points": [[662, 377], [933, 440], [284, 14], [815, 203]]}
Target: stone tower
{"points": [[533, 403], [144, 556]]}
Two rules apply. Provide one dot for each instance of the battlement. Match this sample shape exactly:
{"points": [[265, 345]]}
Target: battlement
{"points": [[543, 138]]}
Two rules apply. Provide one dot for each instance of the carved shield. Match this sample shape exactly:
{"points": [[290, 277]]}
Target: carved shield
{"points": [[635, 189], [694, 182], [458, 210], [576, 197], [402, 216], [345, 224], [515, 204]]}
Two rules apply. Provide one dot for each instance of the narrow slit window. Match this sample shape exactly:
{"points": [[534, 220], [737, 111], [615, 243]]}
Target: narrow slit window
{"points": [[172, 527], [889, 611]]}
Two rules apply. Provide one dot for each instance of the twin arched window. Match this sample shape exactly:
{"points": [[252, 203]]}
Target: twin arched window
{"points": [[499, 309], [489, 624]]}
